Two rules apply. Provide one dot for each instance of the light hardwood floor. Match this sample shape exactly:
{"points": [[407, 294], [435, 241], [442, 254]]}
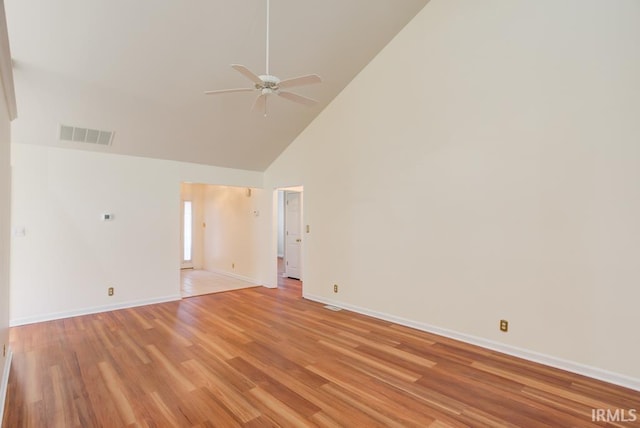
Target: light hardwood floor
{"points": [[266, 357]]}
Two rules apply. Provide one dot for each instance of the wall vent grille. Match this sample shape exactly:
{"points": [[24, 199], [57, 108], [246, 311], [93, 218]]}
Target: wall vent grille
{"points": [[86, 135]]}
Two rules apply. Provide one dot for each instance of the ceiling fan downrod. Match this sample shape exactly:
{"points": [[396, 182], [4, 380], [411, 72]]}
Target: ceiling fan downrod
{"points": [[267, 59]]}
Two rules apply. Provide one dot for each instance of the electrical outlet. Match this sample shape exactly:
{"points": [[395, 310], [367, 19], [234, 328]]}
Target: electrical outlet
{"points": [[335, 288], [504, 325], [233, 265], [110, 291]]}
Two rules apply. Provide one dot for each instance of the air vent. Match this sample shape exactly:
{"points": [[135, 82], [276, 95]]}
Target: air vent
{"points": [[85, 135], [66, 133], [80, 134]]}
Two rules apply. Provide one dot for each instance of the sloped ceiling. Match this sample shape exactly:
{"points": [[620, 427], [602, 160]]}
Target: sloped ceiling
{"points": [[139, 68]]}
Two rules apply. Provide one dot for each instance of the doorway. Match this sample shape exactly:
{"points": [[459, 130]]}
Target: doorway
{"points": [[218, 238], [290, 233], [293, 235]]}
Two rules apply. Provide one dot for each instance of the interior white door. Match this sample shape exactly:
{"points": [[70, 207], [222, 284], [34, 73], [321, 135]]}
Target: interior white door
{"points": [[186, 235], [293, 235]]}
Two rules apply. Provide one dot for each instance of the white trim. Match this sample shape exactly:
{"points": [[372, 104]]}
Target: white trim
{"points": [[235, 276], [4, 382], [548, 360], [94, 310]]}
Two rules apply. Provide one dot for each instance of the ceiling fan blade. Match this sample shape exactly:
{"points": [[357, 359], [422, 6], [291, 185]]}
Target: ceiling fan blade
{"points": [[260, 103], [224, 91], [300, 81], [297, 98], [247, 73]]}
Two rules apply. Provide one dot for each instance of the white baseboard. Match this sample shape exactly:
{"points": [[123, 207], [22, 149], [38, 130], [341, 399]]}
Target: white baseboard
{"points": [[548, 360], [4, 382], [235, 275], [94, 310]]}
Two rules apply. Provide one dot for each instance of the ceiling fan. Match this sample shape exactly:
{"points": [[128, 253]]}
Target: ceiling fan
{"points": [[266, 84]]}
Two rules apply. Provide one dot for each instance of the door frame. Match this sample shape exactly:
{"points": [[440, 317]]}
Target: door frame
{"points": [[299, 189], [288, 226]]}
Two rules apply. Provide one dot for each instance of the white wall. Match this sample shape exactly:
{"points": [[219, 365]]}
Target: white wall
{"points": [[486, 165], [69, 256], [5, 226], [232, 239]]}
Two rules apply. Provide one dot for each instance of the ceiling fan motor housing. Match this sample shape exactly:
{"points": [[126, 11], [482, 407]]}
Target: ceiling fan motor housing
{"points": [[268, 82]]}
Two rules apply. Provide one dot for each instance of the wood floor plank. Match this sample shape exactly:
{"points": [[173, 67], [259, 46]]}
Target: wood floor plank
{"points": [[373, 361], [371, 410], [33, 387], [388, 351], [285, 414], [232, 398], [117, 392], [268, 383], [261, 357], [179, 379], [165, 416], [133, 347]]}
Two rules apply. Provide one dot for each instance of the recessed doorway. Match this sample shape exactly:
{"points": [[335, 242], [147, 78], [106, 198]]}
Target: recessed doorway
{"points": [[219, 239], [293, 234], [290, 242]]}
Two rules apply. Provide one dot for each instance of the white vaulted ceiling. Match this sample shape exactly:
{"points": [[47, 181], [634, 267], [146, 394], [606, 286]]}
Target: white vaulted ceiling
{"points": [[139, 68]]}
